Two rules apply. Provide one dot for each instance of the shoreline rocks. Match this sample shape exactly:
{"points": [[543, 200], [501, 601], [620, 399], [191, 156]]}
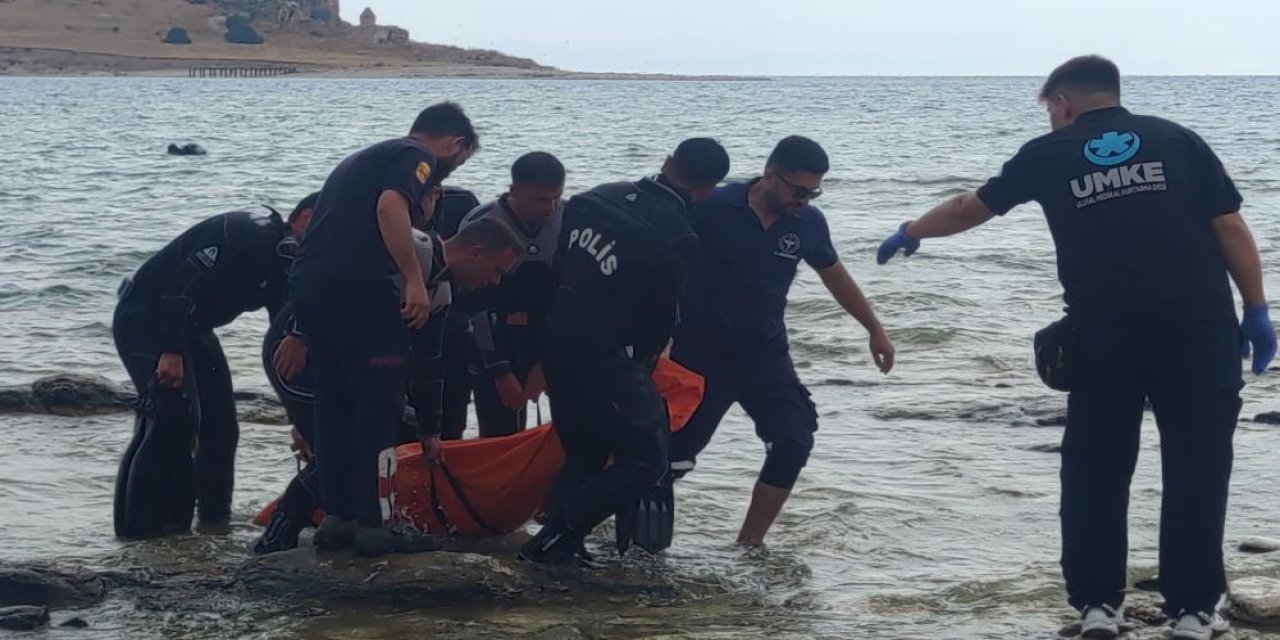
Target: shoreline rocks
{"points": [[78, 395]]}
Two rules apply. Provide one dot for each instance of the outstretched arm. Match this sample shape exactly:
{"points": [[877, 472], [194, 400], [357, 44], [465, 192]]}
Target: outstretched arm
{"points": [[956, 215], [846, 292]]}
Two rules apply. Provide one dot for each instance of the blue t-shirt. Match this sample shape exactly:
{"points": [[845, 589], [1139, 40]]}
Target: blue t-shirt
{"points": [[343, 242], [736, 295]]}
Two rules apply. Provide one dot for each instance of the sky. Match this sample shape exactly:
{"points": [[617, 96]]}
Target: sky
{"points": [[853, 37]]}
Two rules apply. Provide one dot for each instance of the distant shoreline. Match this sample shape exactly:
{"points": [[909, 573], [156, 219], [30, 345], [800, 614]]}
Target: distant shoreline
{"points": [[52, 62]]}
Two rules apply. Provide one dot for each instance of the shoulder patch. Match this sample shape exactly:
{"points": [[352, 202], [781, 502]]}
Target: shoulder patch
{"points": [[423, 172], [207, 256]]}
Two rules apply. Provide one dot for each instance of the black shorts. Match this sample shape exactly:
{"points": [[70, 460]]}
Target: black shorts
{"points": [[767, 387]]}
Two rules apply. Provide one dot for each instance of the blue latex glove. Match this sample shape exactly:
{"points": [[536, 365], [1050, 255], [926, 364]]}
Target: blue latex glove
{"points": [[1259, 334], [899, 240]]}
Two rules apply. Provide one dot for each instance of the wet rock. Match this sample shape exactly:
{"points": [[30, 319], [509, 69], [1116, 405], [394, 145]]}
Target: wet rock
{"points": [[46, 586], [1052, 421], [23, 618], [1148, 613], [188, 149], [75, 394], [1151, 584], [442, 575], [1053, 447], [75, 623], [1259, 544], [1256, 600], [564, 632], [1270, 417]]}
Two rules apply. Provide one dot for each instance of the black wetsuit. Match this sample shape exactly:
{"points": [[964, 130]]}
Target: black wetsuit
{"points": [[621, 265], [1130, 201], [507, 319], [454, 204], [222, 267]]}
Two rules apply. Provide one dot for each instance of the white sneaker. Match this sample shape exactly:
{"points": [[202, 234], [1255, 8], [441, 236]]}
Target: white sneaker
{"points": [[1199, 626], [1099, 623]]}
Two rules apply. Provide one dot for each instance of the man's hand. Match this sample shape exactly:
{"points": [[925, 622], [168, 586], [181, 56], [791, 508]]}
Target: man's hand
{"points": [[290, 358], [415, 306], [900, 240], [509, 391], [535, 384], [432, 449], [301, 447], [882, 350], [1261, 335], [169, 370]]}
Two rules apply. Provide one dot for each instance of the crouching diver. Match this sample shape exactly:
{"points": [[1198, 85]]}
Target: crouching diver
{"points": [[624, 252], [476, 256], [222, 267]]}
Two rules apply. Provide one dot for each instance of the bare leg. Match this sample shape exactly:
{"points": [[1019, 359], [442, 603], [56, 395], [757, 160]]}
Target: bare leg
{"points": [[766, 504]]}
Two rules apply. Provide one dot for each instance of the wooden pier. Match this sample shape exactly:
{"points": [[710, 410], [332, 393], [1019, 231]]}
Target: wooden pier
{"points": [[239, 72]]}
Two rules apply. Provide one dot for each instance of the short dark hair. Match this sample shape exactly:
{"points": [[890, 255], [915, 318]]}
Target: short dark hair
{"points": [[798, 153], [446, 119], [490, 235], [538, 168], [1089, 74], [700, 162], [308, 202]]}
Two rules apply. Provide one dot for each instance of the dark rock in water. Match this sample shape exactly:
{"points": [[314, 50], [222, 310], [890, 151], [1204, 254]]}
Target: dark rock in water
{"points": [[18, 400], [46, 586], [1052, 421], [74, 394], [1255, 600], [23, 618], [1259, 544], [188, 149], [1270, 417], [443, 575], [76, 622], [1045, 448]]}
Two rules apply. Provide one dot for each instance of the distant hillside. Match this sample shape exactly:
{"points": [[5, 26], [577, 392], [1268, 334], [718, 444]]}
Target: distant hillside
{"points": [[125, 36]]}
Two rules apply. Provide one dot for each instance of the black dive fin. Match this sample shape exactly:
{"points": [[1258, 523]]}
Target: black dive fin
{"points": [[624, 527], [655, 519], [155, 485]]}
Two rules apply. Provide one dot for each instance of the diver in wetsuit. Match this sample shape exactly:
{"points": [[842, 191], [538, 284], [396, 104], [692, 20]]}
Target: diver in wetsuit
{"points": [[476, 256], [222, 267], [624, 253], [507, 320], [454, 204]]}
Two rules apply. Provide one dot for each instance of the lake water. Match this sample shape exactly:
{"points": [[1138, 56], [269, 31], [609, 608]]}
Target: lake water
{"points": [[926, 511]]}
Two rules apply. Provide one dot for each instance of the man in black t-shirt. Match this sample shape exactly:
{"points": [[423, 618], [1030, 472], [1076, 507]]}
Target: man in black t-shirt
{"points": [[353, 316], [1147, 227]]}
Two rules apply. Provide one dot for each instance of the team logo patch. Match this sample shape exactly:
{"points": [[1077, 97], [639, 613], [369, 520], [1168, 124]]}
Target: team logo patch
{"points": [[631, 197], [788, 246], [423, 172], [1112, 148], [207, 256], [533, 249]]}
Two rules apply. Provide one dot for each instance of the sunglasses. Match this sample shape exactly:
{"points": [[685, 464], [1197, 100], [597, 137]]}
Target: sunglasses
{"points": [[801, 192]]}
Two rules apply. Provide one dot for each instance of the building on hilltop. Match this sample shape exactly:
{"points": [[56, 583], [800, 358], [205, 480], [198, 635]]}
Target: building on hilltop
{"points": [[367, 19]]}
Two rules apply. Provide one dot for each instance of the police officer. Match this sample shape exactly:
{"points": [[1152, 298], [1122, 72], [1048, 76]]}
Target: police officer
{"points": [[507, 320], [624, 255], [477, 256], [1147, 226], [754, 237], [223, 266], [354, 321]]}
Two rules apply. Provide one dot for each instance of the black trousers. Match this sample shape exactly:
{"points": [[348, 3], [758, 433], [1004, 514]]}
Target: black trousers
{"points": [[358, 350], [456, 352], [207, 385], [1190, 372], [602, 409]]}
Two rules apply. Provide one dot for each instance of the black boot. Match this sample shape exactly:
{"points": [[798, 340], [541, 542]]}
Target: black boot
{"points": [[557, 545], [380, 541], [281, 534], [335, 534]]}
